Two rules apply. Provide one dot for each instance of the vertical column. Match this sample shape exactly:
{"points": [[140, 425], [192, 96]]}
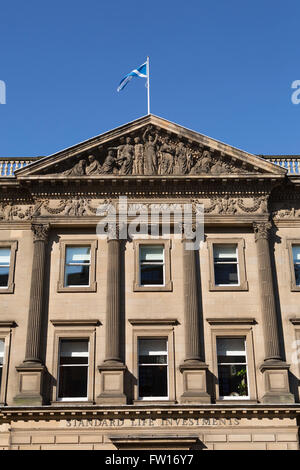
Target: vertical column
{"points": [[113, 303], [194, 370], [113, 369], [31, 371], [274, 369]]}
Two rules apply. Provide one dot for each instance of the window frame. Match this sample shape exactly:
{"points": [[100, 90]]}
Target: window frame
{"points": [[13, 246], [68, 399], [156, 331], [228, 397], [153, 263], [289, 245], [168, 284], [231, 330], [145, 365], [73, 332], [6, 328], [63, 244], [243, 283]]}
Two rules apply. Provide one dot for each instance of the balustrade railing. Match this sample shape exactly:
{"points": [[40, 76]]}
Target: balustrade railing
{"points": [[290, 162], [8, 166]]}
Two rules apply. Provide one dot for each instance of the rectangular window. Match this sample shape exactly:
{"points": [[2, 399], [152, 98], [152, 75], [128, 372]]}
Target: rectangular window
{"points": [[1, 359], [73, 369], [4, 266], [232, 368], [152, 271], [296, 261], [153, 368], [77, 266], [226, 265]]}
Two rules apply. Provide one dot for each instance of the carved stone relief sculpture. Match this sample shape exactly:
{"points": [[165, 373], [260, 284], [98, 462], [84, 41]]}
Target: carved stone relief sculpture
{"points": [[154, 152]]}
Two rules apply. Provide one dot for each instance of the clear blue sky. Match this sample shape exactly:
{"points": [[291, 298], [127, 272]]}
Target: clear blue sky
{"points": [[222, 68]]}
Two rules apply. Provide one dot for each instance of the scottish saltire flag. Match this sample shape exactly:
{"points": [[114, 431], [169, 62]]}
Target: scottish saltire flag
{"points": [[141, 72]]}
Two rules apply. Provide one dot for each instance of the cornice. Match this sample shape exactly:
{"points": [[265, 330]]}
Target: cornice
{"points": [[75, 411]]}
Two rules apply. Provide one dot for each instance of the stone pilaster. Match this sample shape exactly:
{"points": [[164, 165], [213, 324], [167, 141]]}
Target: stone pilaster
{"points": [[113, 369], [194, 370], [274, 369], [32, 370]]}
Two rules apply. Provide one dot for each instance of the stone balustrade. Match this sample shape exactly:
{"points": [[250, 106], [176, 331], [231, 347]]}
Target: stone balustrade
{"points": [[290, 162], [8, 166]]}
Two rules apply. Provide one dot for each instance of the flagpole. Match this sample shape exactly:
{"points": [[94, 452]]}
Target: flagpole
{"points": [[148, 85]]}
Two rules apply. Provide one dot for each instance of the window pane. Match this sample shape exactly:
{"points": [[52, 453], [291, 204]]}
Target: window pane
{"points": [[296, 253], [296, 258], [153, 351], [73, 348], [73, 378], [297, 274], [152, 253], [78, 254], [77, 275], [152, 275], [1, 358], [231, 346], [233, 381], [74, 352], [1, 351], [4, 256], [153, 381], [226, 274], [73, 382], [232, 378], [4, 274], [225, 252], [152, 347]]}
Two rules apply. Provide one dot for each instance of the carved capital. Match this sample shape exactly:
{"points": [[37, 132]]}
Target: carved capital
{"points": [[40, 232], [261, 230]]}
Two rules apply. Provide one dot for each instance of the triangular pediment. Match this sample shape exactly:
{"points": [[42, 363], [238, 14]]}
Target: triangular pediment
{"points": [[150, 147]]}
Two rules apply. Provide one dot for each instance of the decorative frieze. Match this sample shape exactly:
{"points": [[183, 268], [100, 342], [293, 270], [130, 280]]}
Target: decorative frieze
{"points": [[151, 151]]}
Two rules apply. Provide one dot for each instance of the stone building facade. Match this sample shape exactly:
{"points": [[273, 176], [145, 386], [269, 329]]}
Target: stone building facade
{"points": [[135, 341]]}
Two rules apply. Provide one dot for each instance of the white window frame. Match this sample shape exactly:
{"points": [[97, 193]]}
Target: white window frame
{"points": [[6, 265], [68, 399], [3, 361], [295, 262], [229, 397], [78, 264], [153, 263], [227, 262], [165, 365]]}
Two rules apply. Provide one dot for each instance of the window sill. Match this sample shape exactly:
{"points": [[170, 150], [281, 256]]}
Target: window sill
{"points": [[155, 288], [238, 400], [154, 402], [295, 288], [241, 287], [72, 402], [10, 289], [91, 288]]}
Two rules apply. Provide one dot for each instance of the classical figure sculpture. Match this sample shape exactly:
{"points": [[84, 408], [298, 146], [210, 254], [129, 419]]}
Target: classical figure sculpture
{"points": [[76, 170], [167, 158], [138, 162], [125, 157], [150, 157], [94, 167], [219, 167], [180, 160], [202, 164], [109, 162]]}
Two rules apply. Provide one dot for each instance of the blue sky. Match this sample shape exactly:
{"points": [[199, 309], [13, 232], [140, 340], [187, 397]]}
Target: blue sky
{"points": [[222, 68]]}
